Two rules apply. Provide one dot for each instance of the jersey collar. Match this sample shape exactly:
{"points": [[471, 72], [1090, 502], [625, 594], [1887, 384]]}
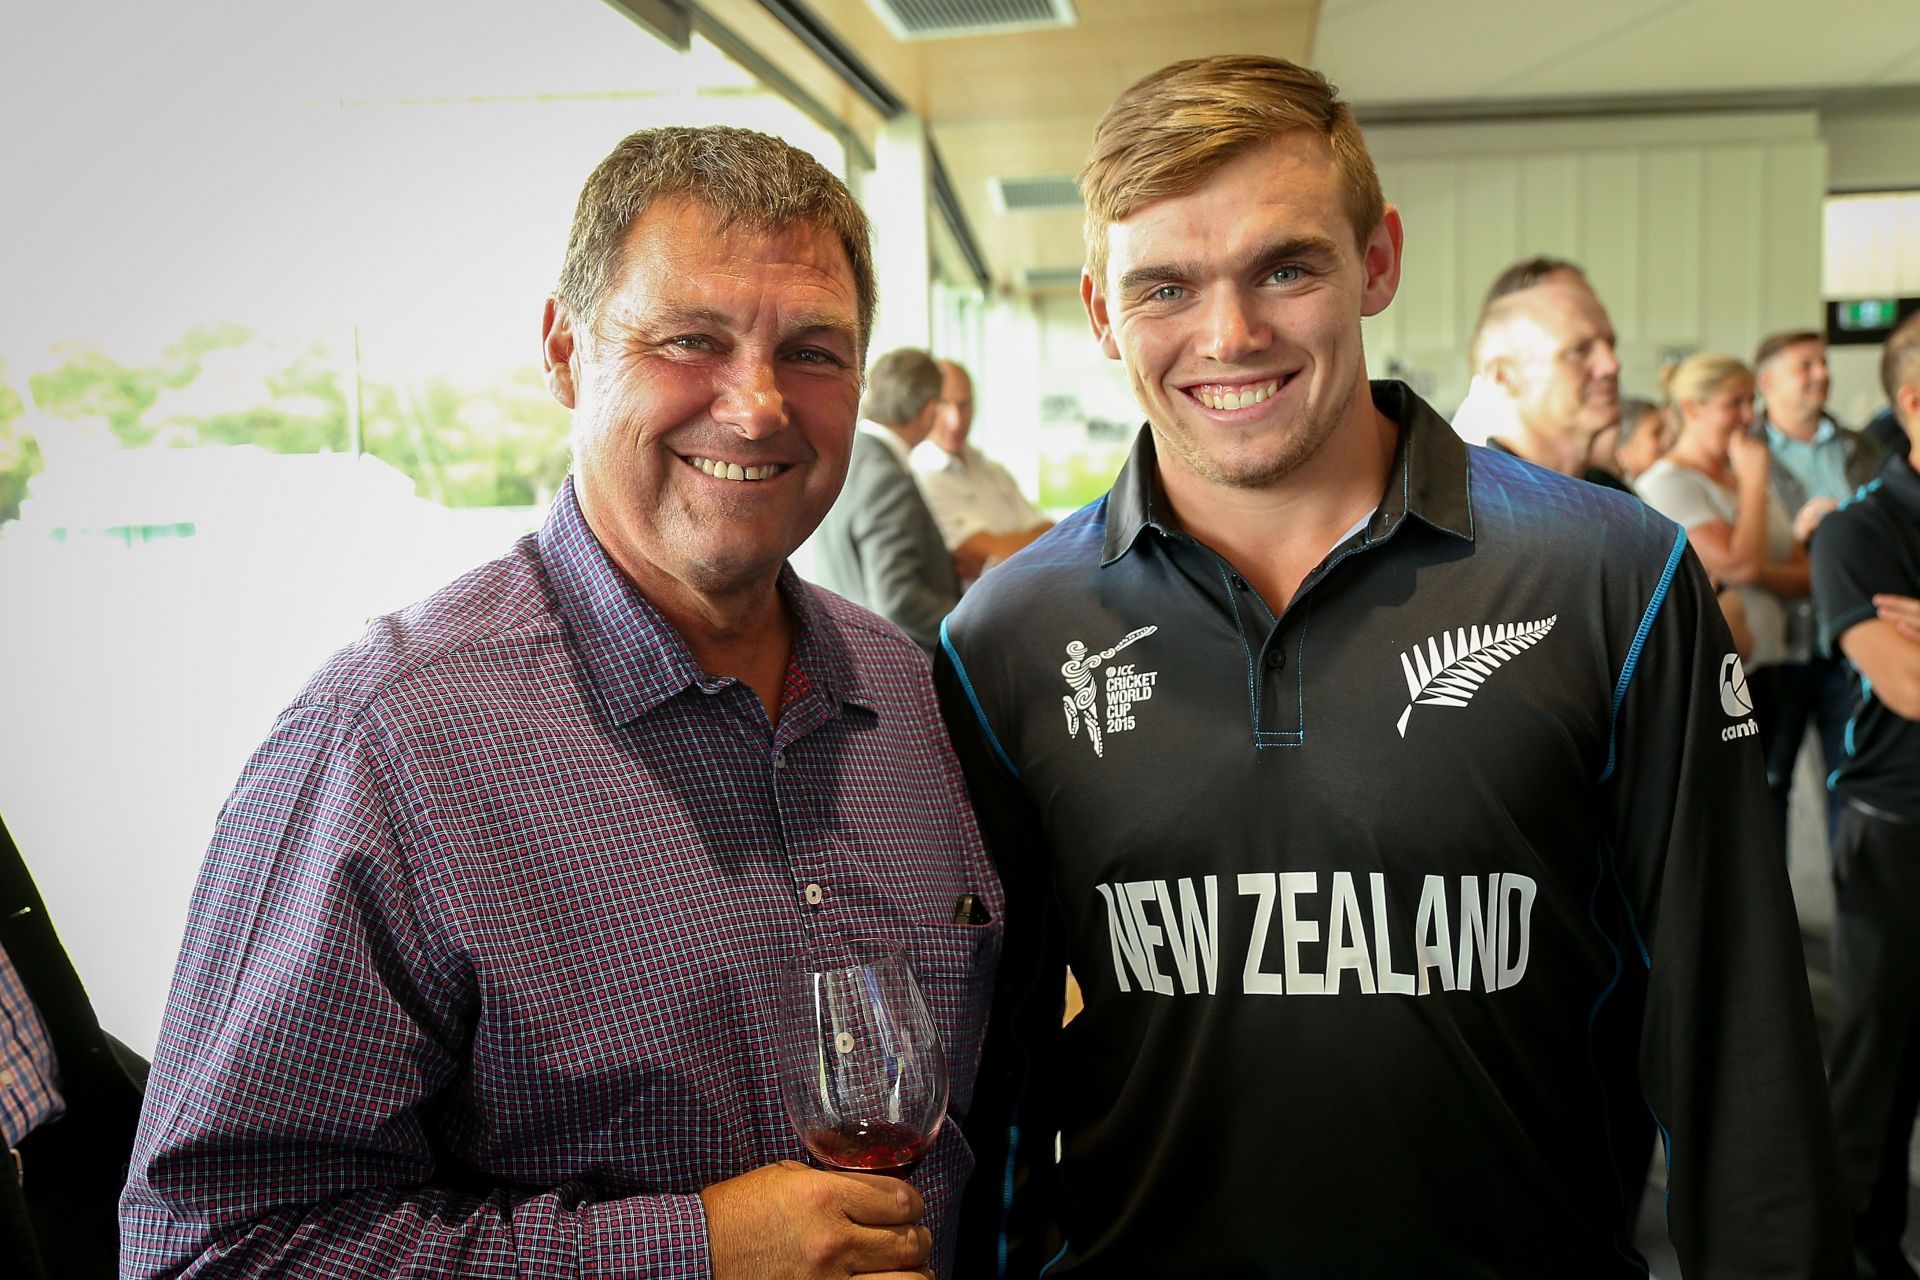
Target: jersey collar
{"points": [[1428, 479]]}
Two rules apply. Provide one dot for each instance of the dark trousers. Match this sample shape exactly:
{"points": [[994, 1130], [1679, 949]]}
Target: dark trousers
{"points": [[1875, 1074], [1788, 697]]}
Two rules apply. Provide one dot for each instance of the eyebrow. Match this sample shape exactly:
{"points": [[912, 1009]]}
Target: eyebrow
{"points": [[675, 315], [1294, 247]]}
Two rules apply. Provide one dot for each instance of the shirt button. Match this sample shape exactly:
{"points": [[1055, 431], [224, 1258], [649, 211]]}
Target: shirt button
{"points": [[814, 894], [7, 1079], [1239, 583], [1276, 659], [779, 759], [712, 686]]}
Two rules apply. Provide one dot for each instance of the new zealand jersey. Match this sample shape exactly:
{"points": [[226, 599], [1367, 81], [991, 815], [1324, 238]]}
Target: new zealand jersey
{"points": [[1871, 546], [1406, 912]]}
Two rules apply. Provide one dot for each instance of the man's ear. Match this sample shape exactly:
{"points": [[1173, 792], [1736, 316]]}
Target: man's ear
{"points": [[1094, 299], [556, 350], [1382, 264], [1906, 407]]}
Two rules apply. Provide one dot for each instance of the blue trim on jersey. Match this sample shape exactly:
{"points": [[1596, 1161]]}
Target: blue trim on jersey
{"points": [[1601, 872], [1006, 1189], [1056, 1257], [979, 712], [1639, 642]]}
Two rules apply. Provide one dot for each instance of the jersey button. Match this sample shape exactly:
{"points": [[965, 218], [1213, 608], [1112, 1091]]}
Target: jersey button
{"points": [[1276, 659]]}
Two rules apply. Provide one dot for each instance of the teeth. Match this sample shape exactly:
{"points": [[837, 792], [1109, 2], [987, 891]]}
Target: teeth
{"points": [[1216, 397], [734, 471]]}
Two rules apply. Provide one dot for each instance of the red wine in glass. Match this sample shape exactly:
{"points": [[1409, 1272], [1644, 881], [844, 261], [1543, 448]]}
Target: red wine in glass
{"points": [[863, 1077], [869, 1146]]}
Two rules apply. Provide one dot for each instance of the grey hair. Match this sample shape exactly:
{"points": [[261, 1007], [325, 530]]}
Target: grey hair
{"points": [[744, 177], [899, 386]]}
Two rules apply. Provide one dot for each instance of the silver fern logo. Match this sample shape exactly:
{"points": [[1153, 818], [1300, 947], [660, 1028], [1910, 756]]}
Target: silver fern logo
{"points": [[1125, 686], [1454, 664]]}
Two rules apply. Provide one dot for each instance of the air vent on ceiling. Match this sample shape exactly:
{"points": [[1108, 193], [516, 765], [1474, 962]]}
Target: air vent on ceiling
{"points": [[1034, 195], [930, 19], [1050, 277]]}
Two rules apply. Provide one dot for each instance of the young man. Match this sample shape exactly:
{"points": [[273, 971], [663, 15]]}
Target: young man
{"points": [[1866, 573], [485, 971], [1394, 802]]}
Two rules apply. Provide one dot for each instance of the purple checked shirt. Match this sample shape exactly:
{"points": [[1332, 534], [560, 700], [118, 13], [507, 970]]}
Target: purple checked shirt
{"points": [[481, 973]]}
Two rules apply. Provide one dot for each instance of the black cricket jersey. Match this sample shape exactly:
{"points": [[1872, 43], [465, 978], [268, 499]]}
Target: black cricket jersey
{"points": [[1871, 546], [1407, 912]]}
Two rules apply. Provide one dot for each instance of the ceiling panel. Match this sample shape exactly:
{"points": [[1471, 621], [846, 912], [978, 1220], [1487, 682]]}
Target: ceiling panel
{"points": [[1392, 51]]}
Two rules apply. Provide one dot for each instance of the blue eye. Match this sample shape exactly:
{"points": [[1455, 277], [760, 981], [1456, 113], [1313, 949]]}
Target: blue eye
{"points": [[1287, 275], [1166, 293]]}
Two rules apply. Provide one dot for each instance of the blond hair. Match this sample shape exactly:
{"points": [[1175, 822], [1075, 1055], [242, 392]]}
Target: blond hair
{"points": [[1700, 377], [1168, 133], [743, 177]]}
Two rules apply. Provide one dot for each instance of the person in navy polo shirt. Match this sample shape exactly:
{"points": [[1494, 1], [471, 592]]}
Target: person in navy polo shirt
{"points": [[1866, 575], [1396, 804]]}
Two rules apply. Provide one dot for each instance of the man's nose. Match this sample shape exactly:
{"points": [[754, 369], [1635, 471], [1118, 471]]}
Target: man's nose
{"points": [[1606, 360], [750, 400], [1233, 328]]}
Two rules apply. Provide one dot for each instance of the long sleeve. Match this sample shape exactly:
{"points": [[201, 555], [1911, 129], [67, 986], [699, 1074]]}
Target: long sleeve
{"points": [[1007, 1221], [905, 573], [313, 1033], [1728, 1059]]}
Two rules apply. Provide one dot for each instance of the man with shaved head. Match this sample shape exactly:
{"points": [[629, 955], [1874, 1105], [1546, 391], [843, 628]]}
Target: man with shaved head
{"points": [[1547, 349]]}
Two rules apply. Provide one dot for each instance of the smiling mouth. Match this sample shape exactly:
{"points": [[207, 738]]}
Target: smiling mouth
{"points": [[733, 470], [1219, 396]]}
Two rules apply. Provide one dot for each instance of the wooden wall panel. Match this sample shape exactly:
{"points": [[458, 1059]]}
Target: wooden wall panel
{"points": [[1733, 216], [1672, 265]]}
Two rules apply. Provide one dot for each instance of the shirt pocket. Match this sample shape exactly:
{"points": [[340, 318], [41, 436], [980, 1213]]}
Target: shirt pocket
{"points": [[955, 965]]}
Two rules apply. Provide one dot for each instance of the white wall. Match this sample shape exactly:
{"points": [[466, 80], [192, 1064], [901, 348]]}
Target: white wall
{"points": [[1698, 231]]}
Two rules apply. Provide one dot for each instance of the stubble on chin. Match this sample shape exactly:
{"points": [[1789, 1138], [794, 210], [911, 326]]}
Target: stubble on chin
{"points": [[1295, 447]]}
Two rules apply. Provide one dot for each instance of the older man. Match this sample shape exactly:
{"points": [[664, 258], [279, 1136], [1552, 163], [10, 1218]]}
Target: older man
{"points": [[879, 544], [982, 513], [1546, 349], [1390, 799], [485, 972]]}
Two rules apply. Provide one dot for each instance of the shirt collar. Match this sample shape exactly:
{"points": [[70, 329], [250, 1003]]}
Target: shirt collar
{"points": [[1898, 475], [1779, 439], [633, 656], [1428, 479], [887, 436]]}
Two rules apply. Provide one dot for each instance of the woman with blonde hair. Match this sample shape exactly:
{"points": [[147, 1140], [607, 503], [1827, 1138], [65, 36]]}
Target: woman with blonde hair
{"points": [[1714, 482]]}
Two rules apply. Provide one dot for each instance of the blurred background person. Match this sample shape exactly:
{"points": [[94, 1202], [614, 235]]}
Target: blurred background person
{"points": [[1714, 483], [1817, 463], [1487, 411], [879, 545], [977, 503], [1547, 351], [1866, 573], [1645, 435]]}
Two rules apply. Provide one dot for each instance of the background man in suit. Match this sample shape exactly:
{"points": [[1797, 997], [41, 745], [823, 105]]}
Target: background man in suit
{"points": [[69, 1099], [880, 546]]}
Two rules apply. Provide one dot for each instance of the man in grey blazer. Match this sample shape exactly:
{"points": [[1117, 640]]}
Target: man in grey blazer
{"points": [[879, 545]]}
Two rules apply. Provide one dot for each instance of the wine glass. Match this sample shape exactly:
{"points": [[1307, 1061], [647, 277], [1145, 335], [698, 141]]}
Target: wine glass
{"points": [[864, 1078]]}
